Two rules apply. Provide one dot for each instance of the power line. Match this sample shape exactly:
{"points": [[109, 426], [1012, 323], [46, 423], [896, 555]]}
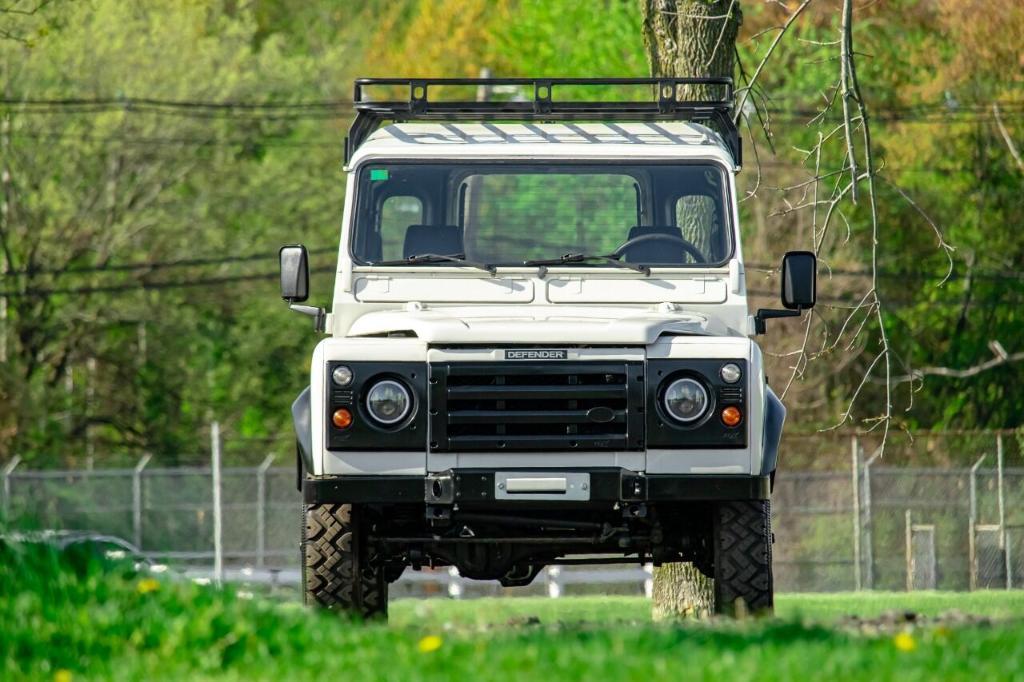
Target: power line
{"points": [[155, 265], [150, 286], [328, 109], [232, 279], [996, 275]]}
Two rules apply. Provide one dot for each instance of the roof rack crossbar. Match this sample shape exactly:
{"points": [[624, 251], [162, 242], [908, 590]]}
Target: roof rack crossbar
{"points": [[667, 105]]}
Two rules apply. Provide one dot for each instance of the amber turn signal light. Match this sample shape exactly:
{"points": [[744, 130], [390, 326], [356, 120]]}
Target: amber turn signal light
{"points": [[731, 416], [342, 418]]}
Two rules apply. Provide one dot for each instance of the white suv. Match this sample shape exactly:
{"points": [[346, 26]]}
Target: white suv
{"points": [[539, 346]]}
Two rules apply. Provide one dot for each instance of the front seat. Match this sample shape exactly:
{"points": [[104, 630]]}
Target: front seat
{"points": [[445, 240], [654, 250]]}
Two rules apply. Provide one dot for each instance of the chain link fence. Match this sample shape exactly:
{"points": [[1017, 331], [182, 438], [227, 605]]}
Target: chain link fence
{"points": [[866, 527]]}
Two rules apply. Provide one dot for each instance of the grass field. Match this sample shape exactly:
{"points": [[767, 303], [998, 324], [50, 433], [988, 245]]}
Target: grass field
{"points": [[69, 617]]}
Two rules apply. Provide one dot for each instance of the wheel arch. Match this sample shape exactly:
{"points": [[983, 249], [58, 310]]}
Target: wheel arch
{"points": [[774, 418], [302, 419]]}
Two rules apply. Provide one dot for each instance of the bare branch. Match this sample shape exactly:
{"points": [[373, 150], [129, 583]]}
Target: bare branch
{"points": [[767, 56], [946, 247], [1001, 358], [1014, 152]]}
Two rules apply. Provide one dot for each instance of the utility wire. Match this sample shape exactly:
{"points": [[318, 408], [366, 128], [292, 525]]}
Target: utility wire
{"points": [[150, 286], [995, 275], [267, 276], [156, 265]]}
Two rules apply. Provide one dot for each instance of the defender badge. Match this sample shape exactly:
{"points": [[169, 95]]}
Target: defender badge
{"points": [[537, 354]]}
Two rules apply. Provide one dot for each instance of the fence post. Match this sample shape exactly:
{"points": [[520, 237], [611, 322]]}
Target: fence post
{"points": [[910, 554], [649, 581], [137, 500], [454, 586], [8, 470], [972, 522], [554, 587], [855, 472], [869, 544], [261, 510], [218, 548], [1002, 511]]}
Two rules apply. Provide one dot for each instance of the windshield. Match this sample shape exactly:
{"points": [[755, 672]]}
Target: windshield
{"points": [[508, 214]]}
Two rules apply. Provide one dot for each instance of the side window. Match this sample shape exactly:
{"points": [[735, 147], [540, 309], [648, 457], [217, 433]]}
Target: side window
{"points": [[396, 215]]}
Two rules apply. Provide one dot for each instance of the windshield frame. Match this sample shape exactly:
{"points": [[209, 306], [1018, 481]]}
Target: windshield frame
{"points": [[728, 204]]}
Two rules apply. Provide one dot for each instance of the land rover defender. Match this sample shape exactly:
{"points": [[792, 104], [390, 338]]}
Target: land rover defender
{"points": [[539, 349]]}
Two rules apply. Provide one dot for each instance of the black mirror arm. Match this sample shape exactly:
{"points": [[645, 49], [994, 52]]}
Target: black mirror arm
{"points": [[764, 314], [319, 315]]}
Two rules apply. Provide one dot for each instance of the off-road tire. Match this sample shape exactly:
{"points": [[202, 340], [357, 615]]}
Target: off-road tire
{"points": [[743, 557], [339, 569]]}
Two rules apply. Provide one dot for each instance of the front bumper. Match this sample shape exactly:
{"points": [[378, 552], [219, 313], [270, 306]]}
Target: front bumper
{"points": [[472, 486]]}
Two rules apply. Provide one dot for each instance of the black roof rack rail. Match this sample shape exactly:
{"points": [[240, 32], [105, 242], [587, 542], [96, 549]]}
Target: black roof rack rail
{"points": [[666, 106]]}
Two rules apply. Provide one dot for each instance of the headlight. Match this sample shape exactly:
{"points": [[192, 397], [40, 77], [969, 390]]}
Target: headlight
{"points": [[730, 373], [388, 402], [342, 375], [686, 400]]}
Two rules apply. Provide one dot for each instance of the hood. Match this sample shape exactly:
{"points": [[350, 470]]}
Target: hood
{"points": [[538, 324]]}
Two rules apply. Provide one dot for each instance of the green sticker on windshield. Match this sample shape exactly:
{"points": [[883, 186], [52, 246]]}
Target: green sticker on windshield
{"points": [[378, 174]]}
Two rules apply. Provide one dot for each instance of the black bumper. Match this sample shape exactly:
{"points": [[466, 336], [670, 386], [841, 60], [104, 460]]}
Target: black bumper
{"points": [[464, 486]]}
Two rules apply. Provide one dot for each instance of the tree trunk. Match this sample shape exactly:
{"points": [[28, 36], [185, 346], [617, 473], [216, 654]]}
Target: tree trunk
{"points": [[688, 38], [681, 591], [691, 37]]}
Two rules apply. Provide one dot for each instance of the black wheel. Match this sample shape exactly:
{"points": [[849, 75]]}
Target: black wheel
{"points": [[340, 570], [743, 557]]}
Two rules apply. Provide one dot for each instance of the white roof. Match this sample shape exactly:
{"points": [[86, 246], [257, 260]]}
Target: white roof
{"points": [[668, 139]]}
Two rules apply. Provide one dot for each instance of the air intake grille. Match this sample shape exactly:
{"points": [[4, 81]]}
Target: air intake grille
{"points": [[536, 406]]}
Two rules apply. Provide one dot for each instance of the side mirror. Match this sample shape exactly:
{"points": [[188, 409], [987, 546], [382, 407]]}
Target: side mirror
{"points": [[799, 288], [799, 280], [294, 273]]}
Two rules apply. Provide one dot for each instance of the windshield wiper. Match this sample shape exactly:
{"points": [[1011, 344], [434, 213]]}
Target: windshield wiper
{"points": [[583, 257], [426, 258]]}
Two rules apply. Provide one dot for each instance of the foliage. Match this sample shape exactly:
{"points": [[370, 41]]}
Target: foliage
{"points": [[127, 183], [116, 361], [76, 612]]}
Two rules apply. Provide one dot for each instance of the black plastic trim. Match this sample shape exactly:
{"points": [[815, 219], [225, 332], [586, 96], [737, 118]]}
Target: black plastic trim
{"points": [[302, 419], [477, 486], [708, 432], [774, 418], [365, 433], [619, 426]]}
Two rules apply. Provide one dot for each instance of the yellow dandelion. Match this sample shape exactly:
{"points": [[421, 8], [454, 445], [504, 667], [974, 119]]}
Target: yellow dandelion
{"points": [[904, 641], [62, 675], [429, 643], [148, 585]]}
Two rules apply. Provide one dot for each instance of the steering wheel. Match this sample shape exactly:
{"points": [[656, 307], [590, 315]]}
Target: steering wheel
{"points": [[688, 247]]}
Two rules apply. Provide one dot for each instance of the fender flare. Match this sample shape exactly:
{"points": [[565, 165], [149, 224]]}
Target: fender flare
{"points": [[302, 419], [774, 418]]}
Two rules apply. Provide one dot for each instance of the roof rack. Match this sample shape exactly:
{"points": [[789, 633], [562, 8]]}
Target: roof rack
{"points": [[543, 107]]}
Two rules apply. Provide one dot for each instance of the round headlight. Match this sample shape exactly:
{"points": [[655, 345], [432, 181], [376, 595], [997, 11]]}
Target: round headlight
{"points": [[686, 400], [731, 373], [388, 401], [342, 375]]}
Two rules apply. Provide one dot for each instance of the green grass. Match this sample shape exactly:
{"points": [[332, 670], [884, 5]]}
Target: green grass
{"points": [[96, 620], [819, 608]]}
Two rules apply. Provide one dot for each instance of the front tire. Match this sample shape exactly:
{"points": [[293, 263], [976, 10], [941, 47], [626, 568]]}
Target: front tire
{"points": [[743, 558], [340, 570]]}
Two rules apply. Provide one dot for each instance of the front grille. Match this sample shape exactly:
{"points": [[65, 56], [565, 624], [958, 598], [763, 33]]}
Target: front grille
{"points": [[536, 406]]}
